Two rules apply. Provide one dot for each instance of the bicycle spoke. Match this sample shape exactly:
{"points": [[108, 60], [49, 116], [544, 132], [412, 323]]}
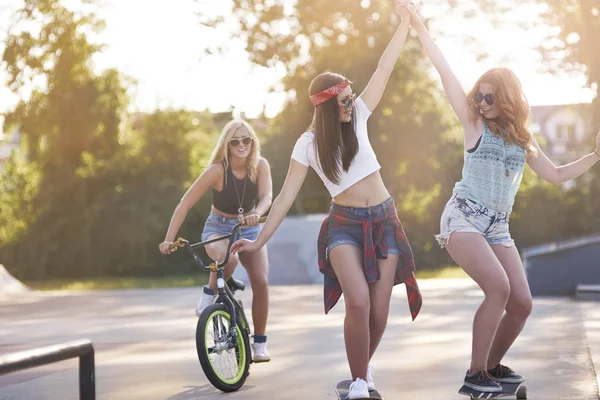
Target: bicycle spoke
{"points": [[223, 353]]}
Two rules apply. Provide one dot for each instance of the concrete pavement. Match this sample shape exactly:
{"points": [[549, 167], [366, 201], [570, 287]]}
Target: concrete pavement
{"points": [[144, 341]]}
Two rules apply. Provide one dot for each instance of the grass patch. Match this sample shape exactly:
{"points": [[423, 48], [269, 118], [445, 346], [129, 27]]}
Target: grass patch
{"points": [[450, 272], [172, 281], [111, 283]]}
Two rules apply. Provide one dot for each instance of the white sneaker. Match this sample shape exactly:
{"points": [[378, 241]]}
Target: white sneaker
{"points": [[358, 389], [260, 354], [205, 301], [370, 382]]}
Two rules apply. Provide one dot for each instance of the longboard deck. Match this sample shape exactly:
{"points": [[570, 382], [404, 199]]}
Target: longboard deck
{"points": [[519, 390], [342, 392]]}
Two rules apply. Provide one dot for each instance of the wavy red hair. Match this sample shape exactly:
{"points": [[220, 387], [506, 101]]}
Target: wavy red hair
{"points": [[508, 93]]}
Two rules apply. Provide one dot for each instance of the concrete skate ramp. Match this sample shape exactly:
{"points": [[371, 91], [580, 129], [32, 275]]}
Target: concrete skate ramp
{"points": [[557, 269], [293, 252], [9, 284]]}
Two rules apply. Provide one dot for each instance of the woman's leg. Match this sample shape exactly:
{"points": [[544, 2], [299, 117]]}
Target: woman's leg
{"points": [[217, 251], [518, 307], [380, 293], [347, 263], [257, 265], [472, 252]]}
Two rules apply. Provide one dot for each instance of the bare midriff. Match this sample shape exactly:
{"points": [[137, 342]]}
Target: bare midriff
{"points": [[232, 216], [369, 191]]}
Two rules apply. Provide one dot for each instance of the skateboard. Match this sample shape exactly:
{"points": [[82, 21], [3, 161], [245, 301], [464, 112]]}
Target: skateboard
{"points": [[519, 390], [342, 392]]}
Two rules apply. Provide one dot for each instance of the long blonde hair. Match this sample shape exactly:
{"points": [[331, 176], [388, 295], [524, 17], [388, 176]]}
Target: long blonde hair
{"points": [[221, 152], [513, 104]]}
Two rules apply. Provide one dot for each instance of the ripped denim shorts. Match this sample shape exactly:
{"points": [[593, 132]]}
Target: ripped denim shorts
{"points": [[464, 215], [338, 234]]}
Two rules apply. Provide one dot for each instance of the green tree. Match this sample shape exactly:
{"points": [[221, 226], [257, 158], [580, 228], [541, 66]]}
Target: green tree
{"points": [[571, 47], [576, 48], [92, 191], [546, 213], [139, 188], [74, 110], [70, 115]]}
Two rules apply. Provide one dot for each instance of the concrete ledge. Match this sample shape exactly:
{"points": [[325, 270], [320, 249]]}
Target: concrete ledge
{"points": [[559, 246], [587, 292]]}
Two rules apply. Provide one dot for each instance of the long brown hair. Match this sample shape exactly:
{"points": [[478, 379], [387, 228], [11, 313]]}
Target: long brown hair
{"points": [[514, 107], [336, 141], [221, 152]]}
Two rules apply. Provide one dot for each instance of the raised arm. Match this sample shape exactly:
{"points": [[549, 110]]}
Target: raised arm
{"points": [[374, 89], [546, 169], [212, 175], [281, 205], [454, 91]]}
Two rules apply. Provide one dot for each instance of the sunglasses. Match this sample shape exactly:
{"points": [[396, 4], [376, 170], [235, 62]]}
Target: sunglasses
{"points": [[245, 141], [349, 102], [489, 98]]}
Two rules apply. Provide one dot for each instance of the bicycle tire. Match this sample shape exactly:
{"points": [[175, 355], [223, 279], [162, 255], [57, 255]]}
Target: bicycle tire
{"points": [[204, 350]]}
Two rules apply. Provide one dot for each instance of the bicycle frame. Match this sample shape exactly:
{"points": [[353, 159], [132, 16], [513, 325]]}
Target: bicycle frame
{"points": [[225, 295]]}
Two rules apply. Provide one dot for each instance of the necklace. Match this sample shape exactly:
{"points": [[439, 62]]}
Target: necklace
{"points": [[240, 202]]}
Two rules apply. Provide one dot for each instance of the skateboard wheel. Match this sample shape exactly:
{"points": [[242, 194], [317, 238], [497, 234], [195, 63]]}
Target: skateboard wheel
{"points": [[522, 393]]}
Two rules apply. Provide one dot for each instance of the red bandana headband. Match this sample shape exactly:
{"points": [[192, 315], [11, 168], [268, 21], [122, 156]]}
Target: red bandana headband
{"points": [[327, 94]]}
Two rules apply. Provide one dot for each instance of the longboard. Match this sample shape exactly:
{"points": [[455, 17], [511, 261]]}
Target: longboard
{"points": [[342, 392], [519, 390]]}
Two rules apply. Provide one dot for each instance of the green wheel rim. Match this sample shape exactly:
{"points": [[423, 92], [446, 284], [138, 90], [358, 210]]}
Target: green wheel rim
{"points": [[241, 363]]}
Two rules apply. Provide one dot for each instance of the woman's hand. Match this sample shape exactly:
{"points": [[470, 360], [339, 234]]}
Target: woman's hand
{"points": [[165, 247], [402, 9], [244, 245], [415, 19], [251, 219]]}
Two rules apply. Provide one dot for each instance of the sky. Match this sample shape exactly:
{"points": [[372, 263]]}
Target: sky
{"points": [[160, 44]]}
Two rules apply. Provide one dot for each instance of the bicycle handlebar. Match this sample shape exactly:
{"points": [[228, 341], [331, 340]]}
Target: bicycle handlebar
{"points": [[181, 242]]}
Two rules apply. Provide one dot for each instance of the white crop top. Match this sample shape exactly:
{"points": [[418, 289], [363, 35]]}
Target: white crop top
{"points": [[364, 163]]}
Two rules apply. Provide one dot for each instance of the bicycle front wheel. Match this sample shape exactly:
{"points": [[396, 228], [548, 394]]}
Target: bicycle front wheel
{"points": [[224, 359]]}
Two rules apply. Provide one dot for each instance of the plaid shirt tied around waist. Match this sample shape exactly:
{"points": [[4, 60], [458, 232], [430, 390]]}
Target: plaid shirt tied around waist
{"points": [[375, 248]]}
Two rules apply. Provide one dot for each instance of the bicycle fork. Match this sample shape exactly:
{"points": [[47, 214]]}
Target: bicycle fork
{"points": [[224, 298]]}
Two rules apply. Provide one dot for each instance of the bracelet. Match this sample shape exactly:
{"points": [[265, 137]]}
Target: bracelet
{"points": [[596, 153]]}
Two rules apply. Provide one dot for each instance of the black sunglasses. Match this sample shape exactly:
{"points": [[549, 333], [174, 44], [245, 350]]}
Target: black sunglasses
{"points": [[489, 98], [347, 103], [245, 141]]}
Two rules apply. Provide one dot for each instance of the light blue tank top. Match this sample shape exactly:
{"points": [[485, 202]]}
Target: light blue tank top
{"points": [[492, 174]]}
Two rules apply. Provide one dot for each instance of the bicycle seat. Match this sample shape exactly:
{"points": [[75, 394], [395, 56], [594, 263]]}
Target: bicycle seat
{"points": [[234, 284]]}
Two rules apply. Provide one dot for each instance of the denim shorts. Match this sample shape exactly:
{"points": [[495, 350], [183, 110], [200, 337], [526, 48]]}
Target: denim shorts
{"points": [[464, 215], [219, 225], [353, 234]]}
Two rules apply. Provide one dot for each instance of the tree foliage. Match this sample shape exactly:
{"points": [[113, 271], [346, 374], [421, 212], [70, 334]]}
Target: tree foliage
{"points": [[92, 190]]}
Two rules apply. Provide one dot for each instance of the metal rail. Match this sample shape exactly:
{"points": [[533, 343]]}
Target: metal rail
{"points": [[82, 349]]}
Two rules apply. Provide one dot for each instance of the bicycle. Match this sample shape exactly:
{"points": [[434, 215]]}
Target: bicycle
{"points": [[222, 328]]}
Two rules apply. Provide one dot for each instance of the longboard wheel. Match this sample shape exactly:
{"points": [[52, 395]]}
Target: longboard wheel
{"points": [[522, 393]]}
